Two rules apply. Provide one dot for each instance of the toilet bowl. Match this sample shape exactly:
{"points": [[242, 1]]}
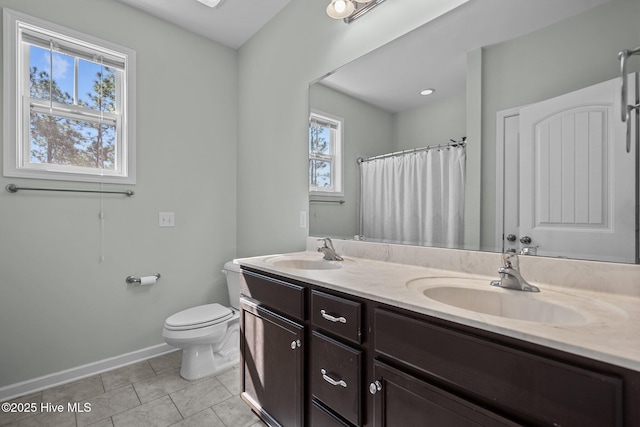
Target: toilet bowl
{"points": [[209, 335]]}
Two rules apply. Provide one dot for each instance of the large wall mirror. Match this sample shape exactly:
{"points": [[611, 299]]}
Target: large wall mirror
{"points": [[502, 69]]}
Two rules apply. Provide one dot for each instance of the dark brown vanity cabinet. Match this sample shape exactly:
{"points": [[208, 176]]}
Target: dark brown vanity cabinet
{"points": [[321, 358]]}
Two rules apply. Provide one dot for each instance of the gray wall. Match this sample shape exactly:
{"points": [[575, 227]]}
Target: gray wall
{"points": [[432, 124], [368, 131], [60, 307]]}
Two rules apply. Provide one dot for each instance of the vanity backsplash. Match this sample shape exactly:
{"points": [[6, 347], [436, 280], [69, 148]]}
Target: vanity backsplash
{"points": [[609, 277]]}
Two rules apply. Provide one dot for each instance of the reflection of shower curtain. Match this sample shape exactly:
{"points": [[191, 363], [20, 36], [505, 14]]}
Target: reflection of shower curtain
{"points": [[415, 198]]}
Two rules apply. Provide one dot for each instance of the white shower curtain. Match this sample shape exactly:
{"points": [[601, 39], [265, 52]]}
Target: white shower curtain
{"points": [[415, 198]]}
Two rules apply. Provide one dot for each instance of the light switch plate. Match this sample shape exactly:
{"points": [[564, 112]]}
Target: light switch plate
{"points": [[167, 219], [303, 219]]}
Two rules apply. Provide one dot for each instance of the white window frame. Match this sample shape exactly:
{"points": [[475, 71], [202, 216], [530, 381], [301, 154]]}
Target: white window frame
{"points": [[18, 105], [336, 155]]}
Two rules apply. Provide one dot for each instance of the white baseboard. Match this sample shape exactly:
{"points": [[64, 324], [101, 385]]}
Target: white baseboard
{"points": [[41, 383]]}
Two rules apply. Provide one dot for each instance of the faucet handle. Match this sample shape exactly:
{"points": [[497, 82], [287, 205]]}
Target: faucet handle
{"points": [[510, 260], [327, 243]]}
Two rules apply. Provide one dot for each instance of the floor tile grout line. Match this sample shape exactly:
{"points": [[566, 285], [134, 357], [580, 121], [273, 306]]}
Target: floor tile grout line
{"points": [[174, 404]]}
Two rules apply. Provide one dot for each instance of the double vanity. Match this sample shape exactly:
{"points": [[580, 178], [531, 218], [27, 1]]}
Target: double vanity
{"points": [[407, 336]]}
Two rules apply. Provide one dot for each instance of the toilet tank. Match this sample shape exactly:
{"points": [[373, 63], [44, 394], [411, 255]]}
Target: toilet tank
{"points": [[233, 283]]}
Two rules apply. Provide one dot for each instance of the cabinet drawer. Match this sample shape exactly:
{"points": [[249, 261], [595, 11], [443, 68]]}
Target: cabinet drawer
{"points": [[320, 417], [337, 315], [279, 295], [527, 386], [335, 376]]}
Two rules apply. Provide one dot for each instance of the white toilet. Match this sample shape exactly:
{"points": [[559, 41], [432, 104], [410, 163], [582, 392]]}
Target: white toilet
{"points": [[209, 335]]}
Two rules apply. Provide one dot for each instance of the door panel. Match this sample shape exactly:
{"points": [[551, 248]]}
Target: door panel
{"points": [[576, 187]]}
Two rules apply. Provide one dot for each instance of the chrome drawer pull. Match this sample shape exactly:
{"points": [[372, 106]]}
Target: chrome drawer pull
{"points": [[331, 318], [330, 380]]}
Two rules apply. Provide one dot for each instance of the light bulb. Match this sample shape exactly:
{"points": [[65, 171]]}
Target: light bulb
{"points": [[211, 3], [340, 9]]}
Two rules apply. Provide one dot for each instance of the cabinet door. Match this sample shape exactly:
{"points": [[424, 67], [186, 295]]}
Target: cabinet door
{"points": [[272, 363], [403, 400]]}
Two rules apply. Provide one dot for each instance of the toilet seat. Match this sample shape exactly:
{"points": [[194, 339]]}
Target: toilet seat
{"points": [[198, 317]]}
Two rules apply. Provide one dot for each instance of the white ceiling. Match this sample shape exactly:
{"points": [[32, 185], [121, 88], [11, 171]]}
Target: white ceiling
{"points": [[231, 24]]}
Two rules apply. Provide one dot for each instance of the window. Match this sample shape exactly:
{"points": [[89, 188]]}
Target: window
{"points": [[69, 104], [325, 154]]}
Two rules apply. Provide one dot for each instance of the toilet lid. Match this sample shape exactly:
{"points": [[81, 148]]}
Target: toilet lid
{"points": [[199, 317]]}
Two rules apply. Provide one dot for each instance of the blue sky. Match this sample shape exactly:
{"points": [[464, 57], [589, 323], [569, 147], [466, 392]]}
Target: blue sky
{"points": [[63, 70]]}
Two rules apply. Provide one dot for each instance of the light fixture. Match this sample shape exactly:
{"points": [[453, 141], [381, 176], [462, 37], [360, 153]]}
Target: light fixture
{"points": [[349, 10], [211, 3], [426, 92]]}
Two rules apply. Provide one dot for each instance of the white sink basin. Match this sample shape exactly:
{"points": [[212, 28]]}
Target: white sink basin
{"points": [[306, 264], [504, 304], [478, 296], [304, 261]]}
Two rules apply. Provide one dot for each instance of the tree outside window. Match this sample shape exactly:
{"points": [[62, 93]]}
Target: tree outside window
{"points": [[56, 139]]}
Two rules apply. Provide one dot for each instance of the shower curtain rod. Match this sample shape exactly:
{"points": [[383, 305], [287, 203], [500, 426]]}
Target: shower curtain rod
{"points": [[453, 143]]}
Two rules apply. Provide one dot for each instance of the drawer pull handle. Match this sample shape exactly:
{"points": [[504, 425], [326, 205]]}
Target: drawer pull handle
{"points": [[330, 380], [295, 344], [331, 318]]}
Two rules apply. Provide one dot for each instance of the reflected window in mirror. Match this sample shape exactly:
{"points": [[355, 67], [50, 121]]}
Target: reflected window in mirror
{"points": [[325, 154]]}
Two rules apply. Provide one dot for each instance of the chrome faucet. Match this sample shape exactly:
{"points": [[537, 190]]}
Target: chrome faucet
{"points": [[328, 250], [510, 277]]}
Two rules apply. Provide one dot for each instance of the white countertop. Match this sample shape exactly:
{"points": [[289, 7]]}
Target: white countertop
{"points": [[609, 331]]}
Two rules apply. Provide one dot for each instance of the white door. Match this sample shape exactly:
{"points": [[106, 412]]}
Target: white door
{"points": [[577, 182]]}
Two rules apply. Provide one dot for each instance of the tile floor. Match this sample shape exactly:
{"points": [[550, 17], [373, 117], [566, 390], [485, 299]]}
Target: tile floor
{"points": [[148, 393]]}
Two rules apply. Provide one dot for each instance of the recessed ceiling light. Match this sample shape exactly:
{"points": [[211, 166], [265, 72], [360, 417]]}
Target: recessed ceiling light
{"points": [[211, 3], [426, 92]]}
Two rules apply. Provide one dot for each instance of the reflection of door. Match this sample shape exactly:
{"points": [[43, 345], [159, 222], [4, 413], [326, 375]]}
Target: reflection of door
{"points": [[576, 179]]}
